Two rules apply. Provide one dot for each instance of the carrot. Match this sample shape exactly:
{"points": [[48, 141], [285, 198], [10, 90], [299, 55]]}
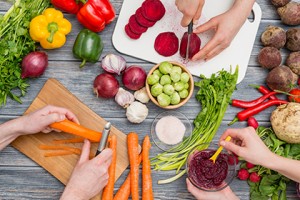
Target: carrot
{"points": [[147, 192], [108, 192], [124, 192], [66, 148], [71, 140], [58, 153], [133, 153], [76, 129]]}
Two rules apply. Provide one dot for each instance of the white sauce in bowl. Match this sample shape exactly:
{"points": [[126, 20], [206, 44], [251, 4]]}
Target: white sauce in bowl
{"points": [[170, 130]]}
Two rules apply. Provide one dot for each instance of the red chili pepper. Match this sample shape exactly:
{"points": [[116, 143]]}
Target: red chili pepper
{"points": [[249, 104], [245, 114], [95, 14], [263, 90], [69, 6]]}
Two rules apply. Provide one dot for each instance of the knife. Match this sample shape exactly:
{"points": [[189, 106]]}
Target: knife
{"points": [[190, 31], [104, 137]]}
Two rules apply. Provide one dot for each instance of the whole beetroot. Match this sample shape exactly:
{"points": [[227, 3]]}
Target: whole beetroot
{"points": [[273, 36], [269, 57], [293, 39], [290, 13], [293, 62], [280, 3], [281, 78]]}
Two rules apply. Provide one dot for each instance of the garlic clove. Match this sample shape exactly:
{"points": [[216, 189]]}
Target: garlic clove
{"points": [[141, 95], [124, 98]]}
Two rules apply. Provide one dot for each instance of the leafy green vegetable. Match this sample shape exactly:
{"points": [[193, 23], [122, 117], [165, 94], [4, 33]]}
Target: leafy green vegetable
{"points": [[214, 95], [15, 43], [272, 184]]}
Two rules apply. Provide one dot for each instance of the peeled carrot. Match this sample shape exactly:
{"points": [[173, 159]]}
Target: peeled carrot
{"points": [[133, 153], [56, 147], [71, 140], [124, 191], [147, 191], [76, 129], [58, 153], [108, 192]]}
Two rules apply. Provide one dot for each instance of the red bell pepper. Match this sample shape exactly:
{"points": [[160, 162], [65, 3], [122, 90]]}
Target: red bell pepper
{"points": [[69, 6], [95, 14]]}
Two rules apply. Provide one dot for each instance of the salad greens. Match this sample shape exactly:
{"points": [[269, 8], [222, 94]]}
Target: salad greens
{"points": [[15, 43], [214, 95], [272, 184]]}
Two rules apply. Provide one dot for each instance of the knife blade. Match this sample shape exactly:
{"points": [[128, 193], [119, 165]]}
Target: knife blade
{"points": [[190, 31], [104, 137]]}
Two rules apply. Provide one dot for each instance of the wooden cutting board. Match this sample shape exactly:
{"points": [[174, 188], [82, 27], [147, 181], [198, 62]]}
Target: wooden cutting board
{"points": [[61, 167]]}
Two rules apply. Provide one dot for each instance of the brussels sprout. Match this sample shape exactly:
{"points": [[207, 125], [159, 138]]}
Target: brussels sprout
{"points": [[186, 86], [179, 86], [176, 69], [168, 89], [157, 72], [156, 89], [163, 99], [175, 77], [175, 98], [184, 77], [184, 93], [152, 79], [165, 79], [165, 67]]}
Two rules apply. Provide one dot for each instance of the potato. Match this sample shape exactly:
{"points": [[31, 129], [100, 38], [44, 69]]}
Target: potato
{"points": [[285, 121], [269, 57], [293, 39], [293, 62], [280, 3], [273, 36], [290, 13], [281, 78]]}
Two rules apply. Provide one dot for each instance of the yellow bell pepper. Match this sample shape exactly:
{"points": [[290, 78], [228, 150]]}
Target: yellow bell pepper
{"points": [[50, 29]]}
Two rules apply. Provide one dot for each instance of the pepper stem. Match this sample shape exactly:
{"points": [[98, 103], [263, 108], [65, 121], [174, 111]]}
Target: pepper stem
{"points": [[233, 121], [82, 1], [52, 28], [82, 63]]}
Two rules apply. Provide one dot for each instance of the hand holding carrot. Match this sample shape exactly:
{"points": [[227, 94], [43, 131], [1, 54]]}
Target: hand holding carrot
{"points": [[89, 177]]}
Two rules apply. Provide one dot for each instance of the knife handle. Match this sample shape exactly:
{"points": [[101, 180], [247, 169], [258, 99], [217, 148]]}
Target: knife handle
{"points": [[190, 27]]}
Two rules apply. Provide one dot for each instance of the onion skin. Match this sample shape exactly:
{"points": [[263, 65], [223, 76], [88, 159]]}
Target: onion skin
{"points": [[34, 64], [106, 85], [134, 77]]}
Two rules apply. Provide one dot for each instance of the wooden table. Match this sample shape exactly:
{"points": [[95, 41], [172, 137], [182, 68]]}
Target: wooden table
{"points": [[21, 178]]}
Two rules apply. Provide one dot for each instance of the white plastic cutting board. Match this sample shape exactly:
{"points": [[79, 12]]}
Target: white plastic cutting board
{"points": [[238, 53]]}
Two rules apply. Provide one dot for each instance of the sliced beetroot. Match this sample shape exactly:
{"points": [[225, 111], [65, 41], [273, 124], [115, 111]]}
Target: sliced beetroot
{"points": [[194, 47], [131, 34], [135, 26], [142, 20], [153, 10], [166, 43]]}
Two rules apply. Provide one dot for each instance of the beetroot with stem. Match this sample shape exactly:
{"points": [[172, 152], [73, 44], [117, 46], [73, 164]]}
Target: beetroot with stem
{"points": [[194, 47], [166, 44]]}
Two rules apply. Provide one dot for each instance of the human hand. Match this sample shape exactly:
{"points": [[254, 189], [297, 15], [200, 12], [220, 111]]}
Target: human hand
{"points": [[246, 144], [191, 10], [39, 120], [225, 194], [89, 177]]}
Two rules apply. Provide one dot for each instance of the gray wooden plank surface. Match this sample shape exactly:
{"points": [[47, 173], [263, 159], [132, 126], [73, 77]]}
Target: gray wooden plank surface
{"points": [[21, 178]]}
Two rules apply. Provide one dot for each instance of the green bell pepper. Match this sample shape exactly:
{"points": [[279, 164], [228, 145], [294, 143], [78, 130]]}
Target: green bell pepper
{"points": [[88, 46]]}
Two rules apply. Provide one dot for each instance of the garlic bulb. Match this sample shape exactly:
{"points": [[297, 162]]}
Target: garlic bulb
{"points": [[141, 95], [124, 98], [113, 64], [136, 112]]}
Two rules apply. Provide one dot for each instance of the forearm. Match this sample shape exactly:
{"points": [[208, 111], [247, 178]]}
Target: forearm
{"points": [[9, 131], [243, 8], [285, 166]]}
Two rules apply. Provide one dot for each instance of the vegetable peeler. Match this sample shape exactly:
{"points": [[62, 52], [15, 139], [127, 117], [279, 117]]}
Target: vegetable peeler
{"points": [[104, 137]]}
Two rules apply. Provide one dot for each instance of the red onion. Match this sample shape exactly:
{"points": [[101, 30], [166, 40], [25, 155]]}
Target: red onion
{"points": [[34, 64], [114, 64], [134, 77], [106, 85]]}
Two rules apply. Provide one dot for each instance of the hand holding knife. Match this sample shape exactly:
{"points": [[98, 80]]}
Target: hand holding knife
{"points": [[190, 31], [104, 138]]}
